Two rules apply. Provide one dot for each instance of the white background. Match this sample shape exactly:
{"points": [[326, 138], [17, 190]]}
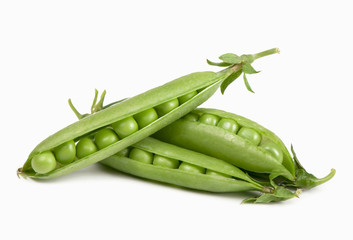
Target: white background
{"points": [[53, 50]]}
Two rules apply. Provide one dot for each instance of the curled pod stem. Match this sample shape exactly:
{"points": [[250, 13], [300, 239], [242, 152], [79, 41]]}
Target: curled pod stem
{"points": [[304, 179]]}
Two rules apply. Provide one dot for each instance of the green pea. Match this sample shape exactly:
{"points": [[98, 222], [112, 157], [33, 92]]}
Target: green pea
{"points": [[187, 97], [146, 117], [141, 155], [123, 153], [125, 127], [192, 117], [166, 107], [274, 150], [66, 152], [217, 174], [188, 167], [229, 125], [250, 134], [85, 147], [209, 119], [165, 162], [43, 162], [105, 137]]}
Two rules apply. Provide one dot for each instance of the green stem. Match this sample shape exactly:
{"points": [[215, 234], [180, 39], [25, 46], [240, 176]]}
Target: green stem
{"points": [[94, 100], [99, 105], [265, 53], [325, 179], [305, 179], [78, 115], [231, 69]]}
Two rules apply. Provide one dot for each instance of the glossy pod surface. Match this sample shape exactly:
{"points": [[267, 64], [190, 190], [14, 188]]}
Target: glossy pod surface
{"points": [[139, 108], [112, 129], [156, 160], [232, 138]]}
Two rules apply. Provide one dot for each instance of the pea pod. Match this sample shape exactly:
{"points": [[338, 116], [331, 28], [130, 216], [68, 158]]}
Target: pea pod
{"points": [[189, 169], [141, 109], [239, 141]]}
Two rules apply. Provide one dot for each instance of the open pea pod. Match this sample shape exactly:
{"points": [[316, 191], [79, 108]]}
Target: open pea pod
{"points": [[232, 138], [156, 160], [239, 141], [97, 136]]}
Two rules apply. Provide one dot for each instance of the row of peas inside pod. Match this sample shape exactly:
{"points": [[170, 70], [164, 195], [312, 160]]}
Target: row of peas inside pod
{"points": [[147, 157], [72, 150], [248, 134], [160, 161], [241, 142], [224, 137], [220, 135], [203, 84]]}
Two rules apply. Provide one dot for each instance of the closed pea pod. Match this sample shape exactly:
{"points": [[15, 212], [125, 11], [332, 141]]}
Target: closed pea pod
{"points": [[142, 108]]}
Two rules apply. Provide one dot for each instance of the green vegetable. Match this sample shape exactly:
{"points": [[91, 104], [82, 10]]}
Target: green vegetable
{"points": [[192, 89], [166, 107], [146, 117], [105, 137], [196, 170], [218, 174], [191, 117], [44, 162], [85, 147], [188, 167], [66, 152], [229, 125], [125, 127], [243, 149], [165, 162], [252, 148], [209, 119], [141, 156], [250, 134], [187, 97]]}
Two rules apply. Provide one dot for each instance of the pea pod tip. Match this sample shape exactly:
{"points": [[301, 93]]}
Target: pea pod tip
{"points": [[19, 173]]}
